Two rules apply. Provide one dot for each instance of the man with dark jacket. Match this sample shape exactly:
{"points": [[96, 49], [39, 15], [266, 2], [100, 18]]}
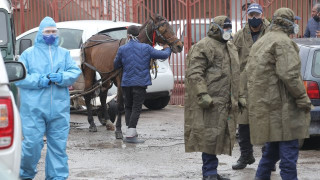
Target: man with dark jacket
{"points": [[243, 40], [134, 57]]}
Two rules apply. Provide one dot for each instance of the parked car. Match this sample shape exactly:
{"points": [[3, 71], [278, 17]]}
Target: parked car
{"points": [[310, 72], [199, 29], [10, 123], [73, 33]]}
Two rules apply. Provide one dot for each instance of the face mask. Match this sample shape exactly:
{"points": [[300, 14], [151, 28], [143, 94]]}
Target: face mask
{"points": [[316, 18], [255, 22], [294, 28], [49, 39], [226, 35]]}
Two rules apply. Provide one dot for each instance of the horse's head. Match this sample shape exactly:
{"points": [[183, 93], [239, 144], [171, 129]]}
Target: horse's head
{"points": [[163, 33]]}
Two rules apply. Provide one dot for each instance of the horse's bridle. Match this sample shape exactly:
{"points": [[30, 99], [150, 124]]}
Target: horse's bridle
{"points": [[155, 28]]}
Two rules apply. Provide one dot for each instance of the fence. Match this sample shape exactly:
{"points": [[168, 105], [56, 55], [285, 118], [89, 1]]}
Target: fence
{"points": [[189, 18]]}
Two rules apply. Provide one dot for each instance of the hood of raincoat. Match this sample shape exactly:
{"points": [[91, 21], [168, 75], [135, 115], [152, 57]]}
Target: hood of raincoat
{"points": [[279, 23], [46, 22], [214, 31]]}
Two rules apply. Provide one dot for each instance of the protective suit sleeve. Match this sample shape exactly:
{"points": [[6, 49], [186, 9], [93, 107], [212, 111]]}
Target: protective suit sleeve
{"points": [[197, 63], [288, 69], [158, 54], [32, 79], [70, 73], [117, 61]]}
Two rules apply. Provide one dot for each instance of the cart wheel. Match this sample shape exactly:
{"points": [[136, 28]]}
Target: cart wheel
{"points": [[101, 119], [112, 110]]}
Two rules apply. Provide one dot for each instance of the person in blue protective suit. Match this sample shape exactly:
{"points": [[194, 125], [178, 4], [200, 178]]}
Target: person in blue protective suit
{"points": [[135, 58], [45, 103]]}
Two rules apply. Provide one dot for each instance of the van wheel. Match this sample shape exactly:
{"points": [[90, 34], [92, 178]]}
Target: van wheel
{"points": [[156, 104]]}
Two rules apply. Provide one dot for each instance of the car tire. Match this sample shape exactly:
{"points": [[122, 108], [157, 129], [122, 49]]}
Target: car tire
{"points": [[156, 104], [112, 110]]}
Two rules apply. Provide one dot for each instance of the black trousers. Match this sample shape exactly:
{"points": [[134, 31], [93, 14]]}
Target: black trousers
{"points": [[244, 140], [133, 99]]}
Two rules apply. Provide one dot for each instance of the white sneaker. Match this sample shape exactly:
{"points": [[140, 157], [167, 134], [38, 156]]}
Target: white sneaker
{"points": [[131, 132]]}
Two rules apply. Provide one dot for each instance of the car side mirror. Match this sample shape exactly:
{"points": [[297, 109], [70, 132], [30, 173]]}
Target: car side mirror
{"points": [[15, 70], [24, 44]]}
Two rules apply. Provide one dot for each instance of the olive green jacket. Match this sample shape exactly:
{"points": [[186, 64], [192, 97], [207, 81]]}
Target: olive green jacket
{"points": [[276, 95], [213, 68], [243, 41]]}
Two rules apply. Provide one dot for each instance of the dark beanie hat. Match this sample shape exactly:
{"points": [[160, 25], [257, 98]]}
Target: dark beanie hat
{"points": [[133, 30]]}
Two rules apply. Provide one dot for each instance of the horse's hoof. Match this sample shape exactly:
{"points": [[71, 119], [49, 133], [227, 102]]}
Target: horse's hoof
{"points": [[109, 126], [92, 129], [119, 135]]}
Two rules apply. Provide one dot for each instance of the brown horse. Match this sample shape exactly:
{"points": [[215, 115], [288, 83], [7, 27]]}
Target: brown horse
{"points": [[98, 54]]}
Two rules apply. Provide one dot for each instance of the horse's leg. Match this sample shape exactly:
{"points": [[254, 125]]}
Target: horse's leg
{"points": [[89, 76], [103, 98], [92, 127], [120, 108]]}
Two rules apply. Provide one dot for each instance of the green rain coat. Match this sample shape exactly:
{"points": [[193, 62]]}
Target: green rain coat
{"points": [[212, 68], [277, 96], [243, 41]]}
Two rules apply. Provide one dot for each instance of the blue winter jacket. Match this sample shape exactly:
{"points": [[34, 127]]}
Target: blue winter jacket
{"points": [[312, 28], [135, 58]]}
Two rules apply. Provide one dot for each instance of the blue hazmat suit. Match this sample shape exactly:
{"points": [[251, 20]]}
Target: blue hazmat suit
{"points": [[46, 110]]}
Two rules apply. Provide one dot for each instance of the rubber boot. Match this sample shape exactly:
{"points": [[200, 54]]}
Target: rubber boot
{"points": [[243, 161]]}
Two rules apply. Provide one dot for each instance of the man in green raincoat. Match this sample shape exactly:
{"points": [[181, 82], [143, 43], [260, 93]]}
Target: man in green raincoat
{"points": [[243, 40], [279, 107], [211, 98]]}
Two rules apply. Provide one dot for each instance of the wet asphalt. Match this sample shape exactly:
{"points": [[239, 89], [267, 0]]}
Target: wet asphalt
{"points": [[99, 155]]}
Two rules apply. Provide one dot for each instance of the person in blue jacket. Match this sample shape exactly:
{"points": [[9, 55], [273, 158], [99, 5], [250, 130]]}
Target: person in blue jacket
{"points": [[135, 58], [45, 103]]}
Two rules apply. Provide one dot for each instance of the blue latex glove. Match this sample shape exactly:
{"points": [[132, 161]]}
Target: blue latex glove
{"points": [[44, 82], [55, 77]]}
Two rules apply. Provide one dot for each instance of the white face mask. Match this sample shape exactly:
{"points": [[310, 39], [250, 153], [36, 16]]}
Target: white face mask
{"points": [[227, 35], [296, 29]]}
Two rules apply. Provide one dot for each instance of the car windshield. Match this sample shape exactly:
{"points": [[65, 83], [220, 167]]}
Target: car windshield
{"points": [[3, 29], [118, 33], [316, 65], [195, 31], [70, 38]]}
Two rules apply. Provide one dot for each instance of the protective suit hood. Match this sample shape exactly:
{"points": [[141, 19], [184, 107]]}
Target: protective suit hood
{"points": [[46, 22], [280, 20], [214, 31]]}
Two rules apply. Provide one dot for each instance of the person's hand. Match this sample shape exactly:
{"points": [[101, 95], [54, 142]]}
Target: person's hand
{"points": [[242, 104], [304, 103], [44, 82], [55, 77], [165, 46], [205, 101]]}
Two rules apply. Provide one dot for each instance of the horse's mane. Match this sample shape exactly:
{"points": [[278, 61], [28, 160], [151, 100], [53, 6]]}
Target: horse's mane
{"points": [[157, 17]]}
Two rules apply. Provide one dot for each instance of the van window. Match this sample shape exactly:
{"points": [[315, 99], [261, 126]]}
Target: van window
{"points": [[316, 63], [3, 29]]}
